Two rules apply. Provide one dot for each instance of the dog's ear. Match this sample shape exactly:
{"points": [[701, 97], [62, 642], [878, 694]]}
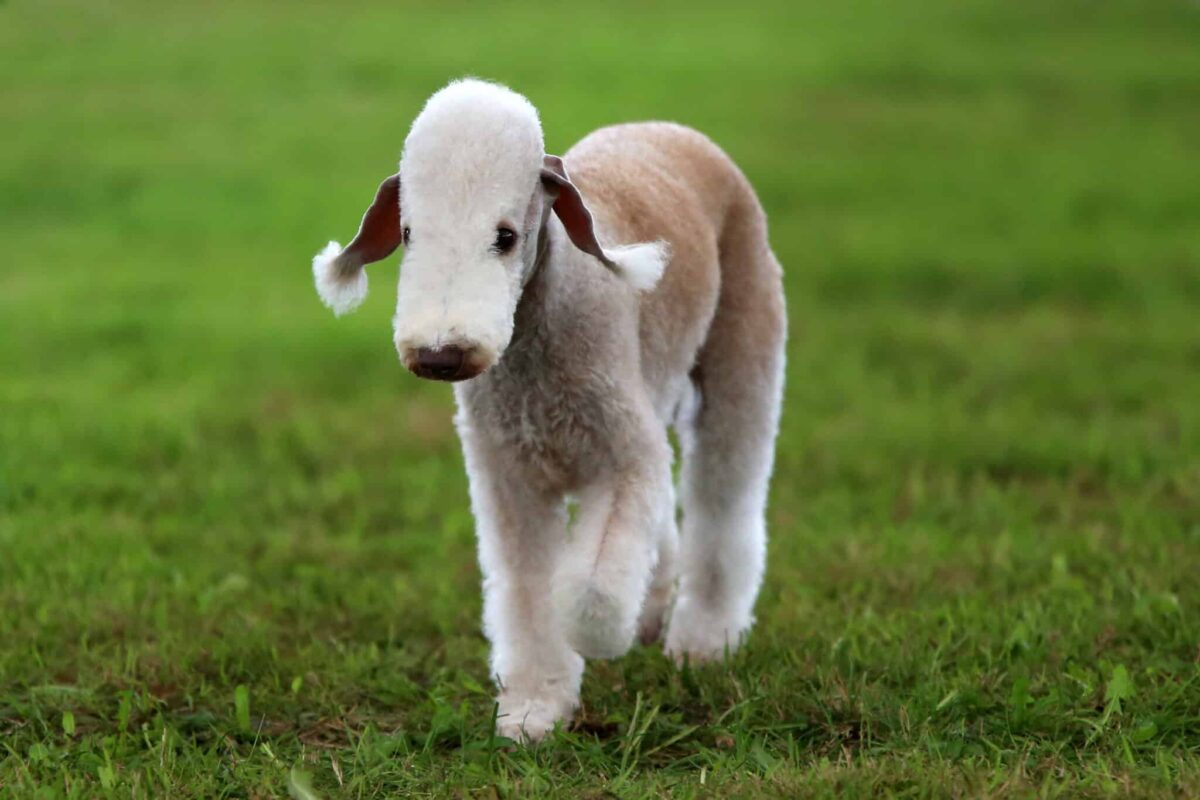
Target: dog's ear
{"points": [[641, 265], [570, 208], [339, 274]]}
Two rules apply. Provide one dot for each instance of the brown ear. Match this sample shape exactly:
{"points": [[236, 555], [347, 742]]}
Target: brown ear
{"points": [[639, 265], [570, 208], [379, 234], [341, 281]]}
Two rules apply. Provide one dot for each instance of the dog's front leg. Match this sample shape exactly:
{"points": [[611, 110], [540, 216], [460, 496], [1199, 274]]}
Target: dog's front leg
{"points": [[601, 587], [521, 533]]}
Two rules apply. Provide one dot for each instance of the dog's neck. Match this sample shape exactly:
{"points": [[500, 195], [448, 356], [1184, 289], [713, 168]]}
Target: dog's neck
{"points": [[539, 258], [527, 359], [529, 321]]}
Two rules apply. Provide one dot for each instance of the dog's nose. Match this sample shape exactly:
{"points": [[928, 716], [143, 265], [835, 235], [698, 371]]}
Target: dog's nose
{"points": [[441, 364]]}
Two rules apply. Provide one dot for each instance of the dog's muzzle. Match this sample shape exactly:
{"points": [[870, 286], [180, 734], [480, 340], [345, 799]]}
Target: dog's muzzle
{"points": [[448, 363]]}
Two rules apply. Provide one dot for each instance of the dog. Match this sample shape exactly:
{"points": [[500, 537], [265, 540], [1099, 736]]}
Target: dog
{"points": [[582, 306]]}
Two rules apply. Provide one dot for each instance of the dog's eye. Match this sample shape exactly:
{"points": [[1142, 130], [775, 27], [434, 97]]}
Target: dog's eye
{"points": [[405, 235], [505, 239]]}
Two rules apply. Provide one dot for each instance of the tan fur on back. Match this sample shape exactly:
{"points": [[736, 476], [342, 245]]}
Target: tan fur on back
{"points": [[660, 180]]}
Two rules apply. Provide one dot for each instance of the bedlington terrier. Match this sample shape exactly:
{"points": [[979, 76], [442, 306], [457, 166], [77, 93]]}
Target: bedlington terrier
{"points": [[649, 299]]}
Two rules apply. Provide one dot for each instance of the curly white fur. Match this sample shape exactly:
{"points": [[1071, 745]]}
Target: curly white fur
{"points": [[342, 294], [640, 264]]}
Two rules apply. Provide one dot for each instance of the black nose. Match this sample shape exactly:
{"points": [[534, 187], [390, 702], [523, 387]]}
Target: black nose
{"points": [[442, 364]]}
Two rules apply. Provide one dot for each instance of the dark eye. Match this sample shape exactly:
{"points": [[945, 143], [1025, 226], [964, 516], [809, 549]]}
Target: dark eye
{"points": [[505, 239], [405, 234]]}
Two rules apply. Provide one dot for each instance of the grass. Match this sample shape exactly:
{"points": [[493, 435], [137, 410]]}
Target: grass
{"points": [[236, 558]]}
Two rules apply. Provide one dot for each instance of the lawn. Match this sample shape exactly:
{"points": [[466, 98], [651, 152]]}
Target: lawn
{"points": [[236, 554]]}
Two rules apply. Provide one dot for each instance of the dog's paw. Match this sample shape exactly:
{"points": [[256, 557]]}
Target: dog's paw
{"points": [[701, 634], [528, 720], [597, 623]]}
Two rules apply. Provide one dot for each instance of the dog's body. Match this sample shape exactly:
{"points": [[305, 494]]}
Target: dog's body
{"points": [[593, 373]]}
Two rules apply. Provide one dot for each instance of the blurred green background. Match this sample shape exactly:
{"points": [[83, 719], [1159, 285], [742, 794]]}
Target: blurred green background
{"points": [[236, 556]]}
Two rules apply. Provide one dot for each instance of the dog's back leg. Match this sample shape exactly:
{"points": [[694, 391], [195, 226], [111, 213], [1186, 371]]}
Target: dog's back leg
{"points": [[728, 445]]}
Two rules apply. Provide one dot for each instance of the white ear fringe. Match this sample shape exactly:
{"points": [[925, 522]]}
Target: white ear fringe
{"points": [[641, 265], [340, 293]]}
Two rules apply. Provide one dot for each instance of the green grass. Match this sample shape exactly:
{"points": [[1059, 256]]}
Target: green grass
{"points": [[236, 556]]}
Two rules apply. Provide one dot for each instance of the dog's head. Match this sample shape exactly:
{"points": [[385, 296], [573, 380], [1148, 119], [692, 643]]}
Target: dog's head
{"points": [[469, 204]]}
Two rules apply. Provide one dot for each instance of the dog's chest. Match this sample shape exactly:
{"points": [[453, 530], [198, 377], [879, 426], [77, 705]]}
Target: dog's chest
{"points": [[557, 427]]}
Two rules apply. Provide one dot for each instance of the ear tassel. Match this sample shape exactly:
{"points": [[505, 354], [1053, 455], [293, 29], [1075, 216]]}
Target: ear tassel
{"points": [[639, 265], [341, 283]]}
